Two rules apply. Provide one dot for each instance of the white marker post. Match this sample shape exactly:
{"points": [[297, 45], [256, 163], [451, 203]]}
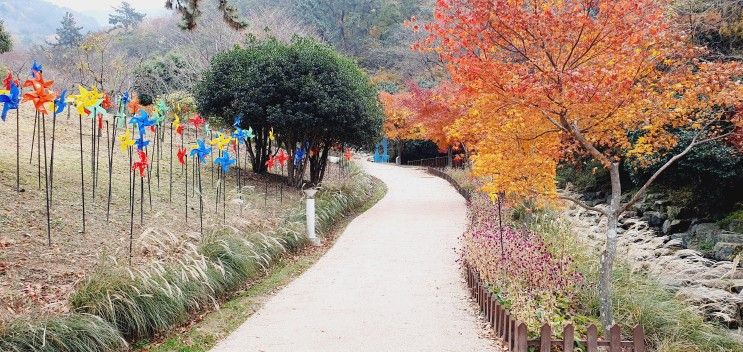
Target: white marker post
{"points": [[310, 193]]}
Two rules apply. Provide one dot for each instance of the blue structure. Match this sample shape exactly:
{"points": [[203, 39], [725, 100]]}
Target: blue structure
{"points": [[381, 154]]}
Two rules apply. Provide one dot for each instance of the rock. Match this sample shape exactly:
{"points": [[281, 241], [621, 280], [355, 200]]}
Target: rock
{"points": [[674, 226], [736, 226], [683, 237], [714, 304], [726, 250], [675, 244], [654, 218], [705, 231]]}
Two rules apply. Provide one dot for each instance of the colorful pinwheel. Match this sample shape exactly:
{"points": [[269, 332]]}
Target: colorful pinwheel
{"points": [[36, 67], [298, 156], [271, 135], [238, 121], [125, 98], [347, 154], [177, 124], [240, 134], [142, 121], [83, 99], [126, 140], [197, 121], [182, 156], [142, 163], [251, 135], [40, 95], [221, 141], [133, 106], [271, 163], [106, 102], [225, 161], [282, 157], [60, 102], [11, 100], [141, 142], [200, 150]]}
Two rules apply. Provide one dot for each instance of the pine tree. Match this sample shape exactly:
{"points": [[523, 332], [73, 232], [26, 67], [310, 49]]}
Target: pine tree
{"points": [[190, 12], [6, 43], [69, 35], [125, 16]]}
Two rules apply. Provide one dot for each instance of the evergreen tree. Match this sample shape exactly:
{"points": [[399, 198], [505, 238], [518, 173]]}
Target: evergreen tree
{"points": [[125, 16], [5, 42], [69, 35]]}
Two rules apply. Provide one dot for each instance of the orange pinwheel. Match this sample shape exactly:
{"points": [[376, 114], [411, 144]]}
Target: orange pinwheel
{"points": [[38, 82], [40, 97], [133, 106]]}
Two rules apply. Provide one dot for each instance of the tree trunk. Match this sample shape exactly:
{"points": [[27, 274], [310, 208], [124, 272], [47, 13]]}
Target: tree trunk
{"points": [[449, 157], [398, 159], [610, 250]]}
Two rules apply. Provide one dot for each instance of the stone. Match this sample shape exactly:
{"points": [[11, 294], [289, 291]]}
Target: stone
{"points": [[714, 304], [736, 226], [674, 226], [675, 244], [704, 231], [726, 251], [654, 218]]}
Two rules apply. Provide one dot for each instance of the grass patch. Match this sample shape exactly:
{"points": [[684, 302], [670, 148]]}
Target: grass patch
{"points": [[73, 332], [216, 325]]}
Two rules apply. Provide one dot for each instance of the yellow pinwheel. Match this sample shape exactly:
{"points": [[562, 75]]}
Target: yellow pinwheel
{"points": [[271, 135], [84, 99], [221, 141], [126, 140]]}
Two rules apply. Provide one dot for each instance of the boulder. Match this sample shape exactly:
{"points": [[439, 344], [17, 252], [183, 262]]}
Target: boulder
{"points": [[726, 250], [674, 226], [675, 244], [705, 231], [736, 226], [714, 304], [654, 218]]}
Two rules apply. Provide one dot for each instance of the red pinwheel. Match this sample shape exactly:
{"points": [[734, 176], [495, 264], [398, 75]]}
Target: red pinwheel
{"points": [[234, 145], [271, 163], [152, 129], [106, 103], [8, 80], [142, 163], [347, 154], [179, 130], [182, 156], [197, 121], [282, 158]]}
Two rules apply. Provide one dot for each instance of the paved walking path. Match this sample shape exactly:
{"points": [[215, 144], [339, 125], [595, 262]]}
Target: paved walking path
{"points": [[390, 283]]}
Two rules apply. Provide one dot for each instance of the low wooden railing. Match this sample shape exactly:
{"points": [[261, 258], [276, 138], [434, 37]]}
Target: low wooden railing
{"points": [[515, 336]]}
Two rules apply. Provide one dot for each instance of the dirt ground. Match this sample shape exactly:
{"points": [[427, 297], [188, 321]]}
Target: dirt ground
{"points": [[36, 278]]}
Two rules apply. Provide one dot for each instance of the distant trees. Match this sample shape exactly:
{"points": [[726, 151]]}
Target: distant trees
{"points": [[69, 35], [5, 42], [311, 97], [190, 11], [125, 16]]}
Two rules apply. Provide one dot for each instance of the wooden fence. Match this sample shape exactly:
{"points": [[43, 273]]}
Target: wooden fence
{"points": [[514, 334]]}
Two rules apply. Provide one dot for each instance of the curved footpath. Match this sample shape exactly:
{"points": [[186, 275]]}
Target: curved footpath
{"points": [[390, 282]]}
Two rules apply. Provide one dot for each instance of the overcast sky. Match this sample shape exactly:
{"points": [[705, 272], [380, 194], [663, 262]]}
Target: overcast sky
{"points": [[101, 8]]}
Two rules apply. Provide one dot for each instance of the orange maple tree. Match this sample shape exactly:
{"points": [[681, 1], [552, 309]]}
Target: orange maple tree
{"points": [[436, 109], [546, 75], [400, 124]]}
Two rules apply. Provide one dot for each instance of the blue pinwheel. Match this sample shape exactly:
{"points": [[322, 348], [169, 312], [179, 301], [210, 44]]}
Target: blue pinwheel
{"points": [[225, 161], [238, 121], [59, 103], [141, 143], [201, 151], [11, 100], [95, 109], [240, 134], [298, 156], [36, 67], [142, 121], [125, 98]]}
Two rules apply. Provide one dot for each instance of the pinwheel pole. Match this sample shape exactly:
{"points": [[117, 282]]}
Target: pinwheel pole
{"points": [[132, 184], [38, 147], [46, 185], [110, 168], [51, 158], [17, 150], [82, 173], [201, 198], [170, 174]]}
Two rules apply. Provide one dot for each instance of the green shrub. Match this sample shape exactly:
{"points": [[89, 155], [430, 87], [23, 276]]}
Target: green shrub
{"points": [[69, 333]]}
